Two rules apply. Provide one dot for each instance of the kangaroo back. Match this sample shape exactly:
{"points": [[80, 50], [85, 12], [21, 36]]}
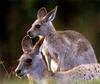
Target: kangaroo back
{"points": [[82, 73]]}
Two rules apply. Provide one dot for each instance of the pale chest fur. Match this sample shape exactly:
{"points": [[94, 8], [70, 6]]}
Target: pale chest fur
{"points": [[57, 46]]}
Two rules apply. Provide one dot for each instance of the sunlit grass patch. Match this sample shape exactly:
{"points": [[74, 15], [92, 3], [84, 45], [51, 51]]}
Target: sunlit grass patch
{"points": [[14, 81], [25, 81], [96, 81]]}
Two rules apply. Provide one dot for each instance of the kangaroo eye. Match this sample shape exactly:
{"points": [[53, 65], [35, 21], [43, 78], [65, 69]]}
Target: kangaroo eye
{"points": [[29, 60], [37, 26]]}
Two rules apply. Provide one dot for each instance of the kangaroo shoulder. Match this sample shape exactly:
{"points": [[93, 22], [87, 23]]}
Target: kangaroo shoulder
{"points": [[77, 39], [73, 35]]}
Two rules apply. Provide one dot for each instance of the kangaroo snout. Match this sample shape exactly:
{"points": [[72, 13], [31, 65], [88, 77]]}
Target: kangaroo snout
{"points": [[29, 33], [18, 73]]}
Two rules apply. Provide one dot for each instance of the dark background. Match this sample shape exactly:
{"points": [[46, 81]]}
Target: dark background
{"points": [[16, 17]]}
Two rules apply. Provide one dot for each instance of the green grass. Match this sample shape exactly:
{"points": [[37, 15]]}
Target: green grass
{"points": [[97, 81], [25, 81], [14, 81]]}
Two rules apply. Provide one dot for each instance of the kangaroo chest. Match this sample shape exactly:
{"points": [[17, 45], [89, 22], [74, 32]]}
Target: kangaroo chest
{"points": [[57, 46], [53, 48]]}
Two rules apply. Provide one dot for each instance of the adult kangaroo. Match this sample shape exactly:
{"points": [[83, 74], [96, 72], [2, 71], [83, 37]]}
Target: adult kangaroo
{"points": [[33, 65], [67, 48]]}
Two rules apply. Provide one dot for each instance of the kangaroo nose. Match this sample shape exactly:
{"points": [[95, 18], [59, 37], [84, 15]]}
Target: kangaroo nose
{"points": [[18, 71], [29, 33]]}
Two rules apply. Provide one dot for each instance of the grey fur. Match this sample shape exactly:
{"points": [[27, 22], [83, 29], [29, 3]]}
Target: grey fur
{"points": [[68, 48], [37, 70]]}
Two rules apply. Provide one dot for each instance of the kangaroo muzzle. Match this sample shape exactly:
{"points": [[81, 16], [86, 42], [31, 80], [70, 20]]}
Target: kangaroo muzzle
{"points": [[29, 33], [18, 73]]}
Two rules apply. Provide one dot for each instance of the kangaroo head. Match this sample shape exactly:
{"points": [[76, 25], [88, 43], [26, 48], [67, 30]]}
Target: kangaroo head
{"points": [[30, 61], [43, 26]]}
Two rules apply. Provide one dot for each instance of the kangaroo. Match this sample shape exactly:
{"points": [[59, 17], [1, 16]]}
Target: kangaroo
{"points": [[67, 48], [33, 65]]}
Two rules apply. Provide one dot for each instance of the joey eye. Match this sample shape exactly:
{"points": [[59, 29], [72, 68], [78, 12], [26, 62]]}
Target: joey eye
{"points": [[29, 60], [37, 26]]}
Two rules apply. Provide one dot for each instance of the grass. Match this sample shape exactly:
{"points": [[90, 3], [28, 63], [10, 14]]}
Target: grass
{"points": [[25, 81], [97, 81], [14, 81]]}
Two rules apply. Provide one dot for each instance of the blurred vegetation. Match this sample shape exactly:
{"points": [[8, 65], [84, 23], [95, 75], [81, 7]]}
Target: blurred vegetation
{"points": [[14, 81], [25, 81], [16, 17]]}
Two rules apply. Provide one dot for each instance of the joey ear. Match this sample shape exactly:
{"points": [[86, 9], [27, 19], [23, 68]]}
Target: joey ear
{"points": [[41, 12], [51, 15], [27, 45], [38, 44]]}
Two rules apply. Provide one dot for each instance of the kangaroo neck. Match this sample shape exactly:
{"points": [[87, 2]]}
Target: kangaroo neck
{"points": [[51, 33]]}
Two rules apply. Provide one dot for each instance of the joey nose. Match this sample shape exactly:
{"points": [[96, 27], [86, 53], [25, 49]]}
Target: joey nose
{"points": [[29, 33], [18, 72]]}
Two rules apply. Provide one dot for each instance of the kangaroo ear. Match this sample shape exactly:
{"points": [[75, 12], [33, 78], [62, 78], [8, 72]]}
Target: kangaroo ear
{"points": [[41, 12], [38, 44], [27, 44], [51, 15]]}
